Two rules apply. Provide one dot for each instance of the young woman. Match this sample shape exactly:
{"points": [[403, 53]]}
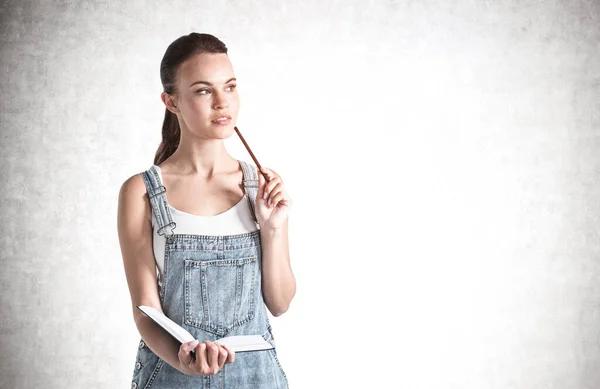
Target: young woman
{"points": [[204, 236]]}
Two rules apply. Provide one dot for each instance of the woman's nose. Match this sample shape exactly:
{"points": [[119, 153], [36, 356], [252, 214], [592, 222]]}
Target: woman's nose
{"points": [[220, 101]]}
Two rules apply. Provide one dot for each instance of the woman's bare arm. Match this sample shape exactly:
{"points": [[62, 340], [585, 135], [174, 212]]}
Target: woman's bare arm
{"points": [[279, 283], [135, 237]]}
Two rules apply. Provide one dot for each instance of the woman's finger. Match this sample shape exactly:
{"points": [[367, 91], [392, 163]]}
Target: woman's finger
{"points": [[230, 354], [185, 353], [201, 360], [276, 190], [222, 356], [267, 175], [277, 198], [270, 186], [278, 187], [213, 357], [270, 172]]}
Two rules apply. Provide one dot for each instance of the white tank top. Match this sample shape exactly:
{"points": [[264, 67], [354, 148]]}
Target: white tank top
{"points": [[236, 220]]}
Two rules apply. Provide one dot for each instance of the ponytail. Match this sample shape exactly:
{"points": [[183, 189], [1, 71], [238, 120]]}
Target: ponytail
{"points": [[170, 137]]}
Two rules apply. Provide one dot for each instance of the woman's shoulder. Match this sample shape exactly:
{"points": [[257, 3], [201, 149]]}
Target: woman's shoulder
{"points": [[133, 186], [132, 198]]}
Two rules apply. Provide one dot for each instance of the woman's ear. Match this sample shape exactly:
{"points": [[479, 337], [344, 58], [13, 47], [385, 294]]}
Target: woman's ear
{"points": [[169, 102]]}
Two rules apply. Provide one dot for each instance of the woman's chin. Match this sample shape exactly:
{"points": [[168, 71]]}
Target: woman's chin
{"points": [[223, 132]]}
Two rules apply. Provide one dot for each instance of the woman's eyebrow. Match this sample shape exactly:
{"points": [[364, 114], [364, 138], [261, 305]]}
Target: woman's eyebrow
{"points": [[210, 84]]}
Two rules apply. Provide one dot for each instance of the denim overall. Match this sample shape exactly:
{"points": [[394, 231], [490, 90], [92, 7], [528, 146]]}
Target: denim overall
{"points": [[212, 288]]}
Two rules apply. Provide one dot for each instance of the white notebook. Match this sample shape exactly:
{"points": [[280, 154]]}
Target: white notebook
{"points": [[239, 343]]}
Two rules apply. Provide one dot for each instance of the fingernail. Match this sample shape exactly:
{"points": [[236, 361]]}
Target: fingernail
{"points": [[264, 195], [193, 343]]}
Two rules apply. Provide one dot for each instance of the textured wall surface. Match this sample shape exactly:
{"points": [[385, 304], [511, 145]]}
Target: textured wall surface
{"points": [[443, 158]]}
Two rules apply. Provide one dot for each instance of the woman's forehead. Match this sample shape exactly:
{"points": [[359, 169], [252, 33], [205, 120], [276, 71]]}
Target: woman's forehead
{"points": [[213, 68]]}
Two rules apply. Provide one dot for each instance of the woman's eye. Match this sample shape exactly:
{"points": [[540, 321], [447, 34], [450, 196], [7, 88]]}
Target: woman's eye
{"points": [[231, 87], [200, 91]]}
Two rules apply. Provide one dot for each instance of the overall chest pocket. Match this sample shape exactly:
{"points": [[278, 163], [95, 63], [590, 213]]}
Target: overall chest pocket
{"points": [[220, 294]]}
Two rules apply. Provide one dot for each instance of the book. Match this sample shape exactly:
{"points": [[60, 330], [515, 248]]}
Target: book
{"points": [[238, 343]]}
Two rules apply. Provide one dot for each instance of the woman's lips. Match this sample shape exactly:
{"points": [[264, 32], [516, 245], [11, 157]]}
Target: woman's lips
{"points": [[222, 122]]}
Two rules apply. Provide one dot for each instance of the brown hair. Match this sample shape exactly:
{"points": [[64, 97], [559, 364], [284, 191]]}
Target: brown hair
{"points": [[178, 52]]}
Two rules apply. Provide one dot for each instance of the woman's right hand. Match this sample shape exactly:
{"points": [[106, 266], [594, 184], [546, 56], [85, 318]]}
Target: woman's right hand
{"points": [[210, 357]]}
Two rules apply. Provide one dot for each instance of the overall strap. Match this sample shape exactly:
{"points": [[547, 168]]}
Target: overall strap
{"points": [[250, 182], [158, 201]]}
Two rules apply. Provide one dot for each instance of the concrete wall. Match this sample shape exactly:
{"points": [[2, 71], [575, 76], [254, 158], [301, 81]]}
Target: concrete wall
{"points": [[443, 158]]}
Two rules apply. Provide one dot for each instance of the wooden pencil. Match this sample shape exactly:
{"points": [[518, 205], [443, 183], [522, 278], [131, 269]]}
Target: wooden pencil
{"points": [[251, 154]]}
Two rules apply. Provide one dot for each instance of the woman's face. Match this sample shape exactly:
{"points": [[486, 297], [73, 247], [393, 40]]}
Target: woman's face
{"points": [[207, 91]]}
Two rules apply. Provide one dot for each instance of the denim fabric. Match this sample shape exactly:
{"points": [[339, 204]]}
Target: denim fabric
{"points": [[212, 288]]}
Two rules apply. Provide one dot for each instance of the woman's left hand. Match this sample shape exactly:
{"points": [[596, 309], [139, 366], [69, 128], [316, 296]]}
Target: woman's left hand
{"points": [[272, 201]]}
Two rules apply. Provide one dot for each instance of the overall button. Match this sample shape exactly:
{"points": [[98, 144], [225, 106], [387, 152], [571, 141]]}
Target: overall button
{"points": [[134, 386], [138, 366], [142, 344]]}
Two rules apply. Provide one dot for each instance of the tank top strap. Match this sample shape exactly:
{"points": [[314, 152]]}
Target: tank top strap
{"points": [[250, 182], [158, 200]]}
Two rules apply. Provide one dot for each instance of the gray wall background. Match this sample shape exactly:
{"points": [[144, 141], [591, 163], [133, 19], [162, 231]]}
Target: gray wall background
{"points": [[443, 157]]}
